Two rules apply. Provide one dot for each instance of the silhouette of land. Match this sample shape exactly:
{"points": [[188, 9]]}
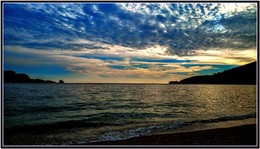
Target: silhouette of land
{"points": [[245, 74], [12, 77]]}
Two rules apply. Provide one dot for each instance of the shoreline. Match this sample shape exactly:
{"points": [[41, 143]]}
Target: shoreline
{"points": [[233, 136], [237, 135]]}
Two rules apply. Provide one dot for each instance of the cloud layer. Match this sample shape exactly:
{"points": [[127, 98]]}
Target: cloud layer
{"points": [[149, 41]]}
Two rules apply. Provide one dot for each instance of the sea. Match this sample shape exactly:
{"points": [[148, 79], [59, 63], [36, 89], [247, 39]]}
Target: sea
{"points": [[78, 114]]}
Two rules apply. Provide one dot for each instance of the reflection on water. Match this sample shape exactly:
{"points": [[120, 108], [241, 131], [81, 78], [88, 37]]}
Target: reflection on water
{"points": [[88, 111]]}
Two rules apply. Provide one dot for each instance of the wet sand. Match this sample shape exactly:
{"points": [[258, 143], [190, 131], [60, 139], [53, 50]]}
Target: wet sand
{"points": [[239, 135]]}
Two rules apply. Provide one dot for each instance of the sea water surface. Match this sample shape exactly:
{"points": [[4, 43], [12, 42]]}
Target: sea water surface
{"points": [[65, 114]]}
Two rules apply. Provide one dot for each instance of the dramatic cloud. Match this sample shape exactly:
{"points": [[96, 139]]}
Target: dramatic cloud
{"points": [[153, 42]]}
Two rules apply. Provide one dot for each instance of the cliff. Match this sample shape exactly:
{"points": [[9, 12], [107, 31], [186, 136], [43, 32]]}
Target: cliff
{"points": [[245, 74], [12, 77]]}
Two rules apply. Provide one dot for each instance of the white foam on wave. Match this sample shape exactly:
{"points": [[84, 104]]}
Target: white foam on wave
{"points": [[141, 131]]}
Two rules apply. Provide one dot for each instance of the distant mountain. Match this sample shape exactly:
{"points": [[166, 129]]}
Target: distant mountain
{"points": [[245, 74], [12, 77]]}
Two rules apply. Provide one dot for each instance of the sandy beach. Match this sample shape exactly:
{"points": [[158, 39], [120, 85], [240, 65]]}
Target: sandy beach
{"points": [[239, 135]]}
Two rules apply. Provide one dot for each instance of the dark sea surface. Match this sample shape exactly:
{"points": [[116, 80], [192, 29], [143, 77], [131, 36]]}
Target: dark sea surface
{"points": [[65, 114]]}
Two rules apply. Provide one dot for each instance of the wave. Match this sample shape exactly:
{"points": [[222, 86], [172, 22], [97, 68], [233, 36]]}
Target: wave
{"points": [[227, 118], [109, 116], [56, 126], [78, 125], [79, 121], [126, 134]]}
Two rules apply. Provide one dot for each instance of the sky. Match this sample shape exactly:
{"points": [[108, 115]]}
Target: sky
{"points": [[127, 42]]}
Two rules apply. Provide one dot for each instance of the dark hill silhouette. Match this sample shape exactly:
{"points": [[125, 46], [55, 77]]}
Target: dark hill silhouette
{"points": [[245, 74], [11, 77]]}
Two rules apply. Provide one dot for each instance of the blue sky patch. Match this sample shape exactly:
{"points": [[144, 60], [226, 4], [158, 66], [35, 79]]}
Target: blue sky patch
{"points": [[160, 60], [102, 57], [117, 67]]}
